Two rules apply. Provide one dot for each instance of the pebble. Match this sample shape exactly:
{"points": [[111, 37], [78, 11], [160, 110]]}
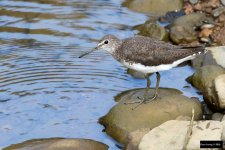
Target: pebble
{"points": [[223, 2], [193, 1], [218, 11]]}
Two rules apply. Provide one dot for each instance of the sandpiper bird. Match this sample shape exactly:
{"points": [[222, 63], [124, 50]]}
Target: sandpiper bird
{"points": [[147, 55]]}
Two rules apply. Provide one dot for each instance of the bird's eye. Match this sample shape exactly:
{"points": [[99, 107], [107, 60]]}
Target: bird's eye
{"points": [[106, 42]]}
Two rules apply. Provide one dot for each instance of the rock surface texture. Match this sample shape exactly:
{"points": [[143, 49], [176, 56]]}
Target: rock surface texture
{"points": [[121, 120], [172, 135]]}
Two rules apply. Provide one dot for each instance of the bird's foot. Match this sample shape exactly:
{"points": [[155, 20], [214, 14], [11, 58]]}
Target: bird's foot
{"points": [[142, 101]]}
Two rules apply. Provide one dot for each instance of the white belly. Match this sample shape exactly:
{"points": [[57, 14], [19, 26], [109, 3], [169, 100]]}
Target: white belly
{"points": [[151, 69]]}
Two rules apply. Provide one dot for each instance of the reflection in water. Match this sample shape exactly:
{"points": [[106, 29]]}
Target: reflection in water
{"points": [[45, 90]]}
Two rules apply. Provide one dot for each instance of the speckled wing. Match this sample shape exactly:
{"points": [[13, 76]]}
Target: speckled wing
{"points": [[152, 52]]}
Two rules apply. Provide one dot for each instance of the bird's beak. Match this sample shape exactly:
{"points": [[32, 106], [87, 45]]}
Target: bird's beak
{"points": [[86, 53]]}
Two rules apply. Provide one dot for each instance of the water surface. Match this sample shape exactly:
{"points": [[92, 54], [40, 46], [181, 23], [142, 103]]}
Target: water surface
{"points": [[45, 90]]}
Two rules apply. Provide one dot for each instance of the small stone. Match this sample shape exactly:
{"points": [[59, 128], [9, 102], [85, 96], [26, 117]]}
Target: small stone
{"points": [[188, 9], [223, 2], [206, 32], [217, 116], [193, 1], [221, 18], [218, 11]]}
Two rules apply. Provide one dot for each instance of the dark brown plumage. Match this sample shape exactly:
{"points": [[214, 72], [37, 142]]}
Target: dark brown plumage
{"points": [[152, 52]]}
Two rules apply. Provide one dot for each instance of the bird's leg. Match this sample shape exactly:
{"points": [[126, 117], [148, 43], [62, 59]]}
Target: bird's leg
{"points": [[156, 89], [145, 99], [141, 100]]}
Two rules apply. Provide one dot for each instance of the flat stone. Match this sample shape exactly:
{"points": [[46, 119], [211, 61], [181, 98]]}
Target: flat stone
{"points": [[58, 144], [169, 135], [121, 120], [172, 134], [205, 130]]}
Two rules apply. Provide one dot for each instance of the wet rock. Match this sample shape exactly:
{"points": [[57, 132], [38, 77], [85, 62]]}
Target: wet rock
{"points": [[159, 7], [203, 79], [220, 90], [214, 56], [183, 28], [217, 116], [152, 29], [135, 137], [171, 16], [58, 144], [173, 133], [121, 120]]}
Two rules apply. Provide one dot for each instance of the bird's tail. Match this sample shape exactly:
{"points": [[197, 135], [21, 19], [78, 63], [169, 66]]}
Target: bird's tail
{"points": [[201, 49]]}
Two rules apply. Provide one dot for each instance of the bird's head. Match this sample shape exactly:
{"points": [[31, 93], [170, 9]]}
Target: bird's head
{"points": [[108, 43]]}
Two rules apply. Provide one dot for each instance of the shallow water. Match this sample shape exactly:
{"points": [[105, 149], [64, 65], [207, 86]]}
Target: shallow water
{"points": [[45, 90]]}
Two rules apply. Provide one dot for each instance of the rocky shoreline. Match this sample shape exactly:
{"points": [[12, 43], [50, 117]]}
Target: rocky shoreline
{"points": [[165, 123]]}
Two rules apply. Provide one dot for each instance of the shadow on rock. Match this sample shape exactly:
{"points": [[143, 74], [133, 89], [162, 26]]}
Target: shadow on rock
{"points": [[58, 144], [121, 120]]}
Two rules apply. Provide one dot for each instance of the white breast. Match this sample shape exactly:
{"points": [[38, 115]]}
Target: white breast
{"points": [[151, 69]]}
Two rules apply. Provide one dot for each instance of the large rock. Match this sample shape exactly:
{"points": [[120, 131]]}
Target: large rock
{"points": [[205, 130], [58, 144], [220, 90], [159, 7], [172, 135], [203, 79], [182, 30], [214, 56], [121, 120]]}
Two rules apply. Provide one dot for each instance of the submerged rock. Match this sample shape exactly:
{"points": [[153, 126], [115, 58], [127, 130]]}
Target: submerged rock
{"points": [[121, 120], [58, 144], [159, 7], [204, 80], [171, 135]]}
